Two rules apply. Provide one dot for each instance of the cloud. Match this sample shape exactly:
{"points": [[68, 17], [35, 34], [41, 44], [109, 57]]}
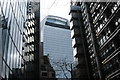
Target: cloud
{"points": [[55, 7]]}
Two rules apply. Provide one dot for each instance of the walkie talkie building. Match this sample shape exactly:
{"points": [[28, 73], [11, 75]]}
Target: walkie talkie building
{"points": [[57, 41]]}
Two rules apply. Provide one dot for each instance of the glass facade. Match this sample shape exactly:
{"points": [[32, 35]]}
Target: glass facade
{"points": [[57, 44], [13, 16], [55, 21]]}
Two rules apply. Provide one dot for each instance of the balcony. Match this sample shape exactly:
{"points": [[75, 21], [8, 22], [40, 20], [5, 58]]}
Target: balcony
{"points": [[78, 51], [105, 8], [115, 33], [75, 24], [29, 58], [76, 42], [110, 19], [71, 25], [74, 16], [74, 8], [94, 6], [75, 32], [113, 75], [111, 56]]}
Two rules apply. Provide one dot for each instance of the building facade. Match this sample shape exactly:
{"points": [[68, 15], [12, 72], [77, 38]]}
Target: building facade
{"points": [[19, 40], [56, 41], [47, 71], [12, 19], [81, 70], [101, 37], [31, 41]]}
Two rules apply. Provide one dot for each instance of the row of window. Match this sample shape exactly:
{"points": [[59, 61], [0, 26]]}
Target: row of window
{"points": [[107, 51], [29, 43], [104, 37], [89, 39], [46, 75], [97, 12], [111, 66], [88, 34]]}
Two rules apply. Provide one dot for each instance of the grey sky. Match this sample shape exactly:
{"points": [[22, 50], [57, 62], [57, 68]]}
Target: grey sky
{"points": [[55, 7]]}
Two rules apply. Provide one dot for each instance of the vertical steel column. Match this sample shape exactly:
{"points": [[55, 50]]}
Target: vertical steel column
{"points": [[95, 48]]}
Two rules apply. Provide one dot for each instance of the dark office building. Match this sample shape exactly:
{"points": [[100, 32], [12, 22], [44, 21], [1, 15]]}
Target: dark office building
{"points": [[96, 25], [12, 19], [47, 71], [31, 40]]}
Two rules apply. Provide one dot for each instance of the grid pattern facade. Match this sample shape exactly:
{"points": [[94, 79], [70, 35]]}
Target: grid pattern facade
{"points": [[13, 16], [101, 27], [28, 43], [106, 24], [29, 37], [31, 41]]}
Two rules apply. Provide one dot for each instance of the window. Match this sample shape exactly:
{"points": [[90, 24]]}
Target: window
{"points": [[44, 74], [56, 21], [43, 68], [98, 6], [117, 21], [53, 74], [101, 25], [114, 8], [91, 5]]}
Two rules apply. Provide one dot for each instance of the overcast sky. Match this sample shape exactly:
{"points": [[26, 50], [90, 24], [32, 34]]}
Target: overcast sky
{"points": [[59, 8]]}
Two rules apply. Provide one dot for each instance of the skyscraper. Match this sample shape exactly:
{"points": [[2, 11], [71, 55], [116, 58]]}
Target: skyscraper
{"points": [[19, 39], [100, 28], [31, 40], [81, 70], [57, 41], [12, 19]]}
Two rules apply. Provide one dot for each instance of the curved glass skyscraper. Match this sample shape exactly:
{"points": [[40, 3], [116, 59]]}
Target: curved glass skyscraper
{"points": [[57, 42]]}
